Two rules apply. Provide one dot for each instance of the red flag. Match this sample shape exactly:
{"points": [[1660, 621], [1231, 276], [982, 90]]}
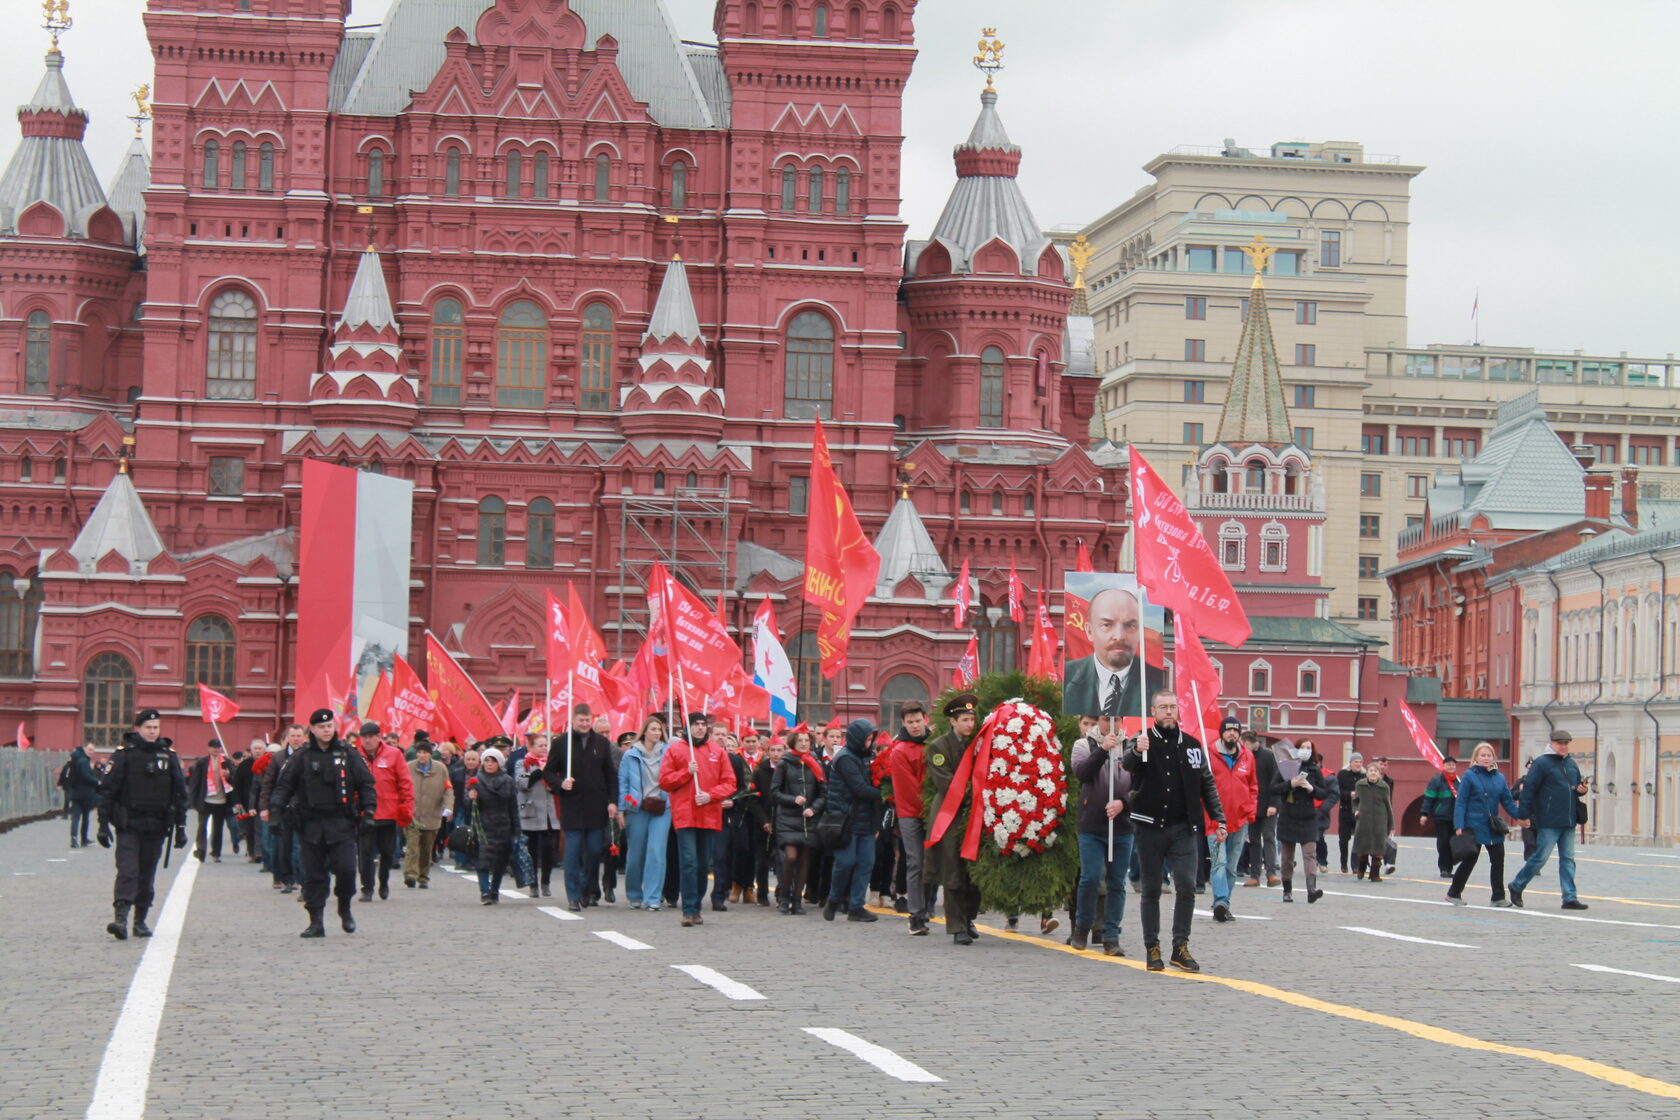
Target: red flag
{"points": [[1083, 563], [379, 703], [1175, 563], [1421, 739], [22, 739], [1017, 593], [704, 651], [510, 715], [411, 707], [840, 564], [214, 707], [1195, 679], [1075, 612], [1041, 662], [968, 669], [469, 714], [962, 596], [585, 652], [627, 702]]}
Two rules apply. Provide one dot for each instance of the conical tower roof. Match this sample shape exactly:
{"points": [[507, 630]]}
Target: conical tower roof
{"points": [[906, 549], [1254, 409], [987, 204], [673, 349], [50, 164], [118, 523], [127, 193]]}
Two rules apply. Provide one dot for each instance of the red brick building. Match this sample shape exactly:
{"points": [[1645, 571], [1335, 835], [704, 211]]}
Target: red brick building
{"points": [[583, 283]]}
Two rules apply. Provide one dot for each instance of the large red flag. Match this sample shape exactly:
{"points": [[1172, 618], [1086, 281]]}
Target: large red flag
{"points": [[969, 667], [214, 707], [1175, 563], [1041, 662], [470, 715], [1083, 562], [411, 707], [586, 651], [379, 702], [962, 597], [1196, 681], [1421, 739], [1017, 593], [704, 652], [840, 564], [510, 715]]}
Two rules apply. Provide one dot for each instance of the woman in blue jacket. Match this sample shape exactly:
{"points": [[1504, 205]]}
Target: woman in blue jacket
{"points": [[1481, 792]]}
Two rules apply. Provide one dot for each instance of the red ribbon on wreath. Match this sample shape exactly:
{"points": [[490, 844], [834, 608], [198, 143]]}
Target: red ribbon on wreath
{"points": [[971, 771]]}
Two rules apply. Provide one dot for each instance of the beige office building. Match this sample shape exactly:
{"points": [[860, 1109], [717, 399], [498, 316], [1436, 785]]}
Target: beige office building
{"points": [[1168, 289]]}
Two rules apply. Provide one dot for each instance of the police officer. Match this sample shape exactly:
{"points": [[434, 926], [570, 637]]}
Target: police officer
{"points": [[326, 790], [143, 793]]}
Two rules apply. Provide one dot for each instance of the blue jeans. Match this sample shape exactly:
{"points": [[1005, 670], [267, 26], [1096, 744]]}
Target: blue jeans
{"points": [[80, 811], [849, 882], [583, 851], [694, 863], [1094, 864], [1224, 859], [644, 856], [1545, 839]]}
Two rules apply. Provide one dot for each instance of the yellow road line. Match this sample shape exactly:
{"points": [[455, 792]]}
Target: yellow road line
{"points": [[1554, 894], [1615, 1075]]}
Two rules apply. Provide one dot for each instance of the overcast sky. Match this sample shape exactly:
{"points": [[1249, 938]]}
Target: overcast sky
{"points": [[1546, 127]]}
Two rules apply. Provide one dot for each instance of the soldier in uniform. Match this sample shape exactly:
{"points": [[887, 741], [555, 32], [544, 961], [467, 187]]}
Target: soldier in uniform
{"points": [[942, 862], [327, 792], [142, 794]]}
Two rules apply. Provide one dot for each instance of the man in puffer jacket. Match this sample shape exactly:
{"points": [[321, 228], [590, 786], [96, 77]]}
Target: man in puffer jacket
{"points": [[1239, 793], [851, 790]]}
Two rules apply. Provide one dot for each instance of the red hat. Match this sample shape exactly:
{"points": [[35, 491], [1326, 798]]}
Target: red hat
{"points": [[834, 725]]}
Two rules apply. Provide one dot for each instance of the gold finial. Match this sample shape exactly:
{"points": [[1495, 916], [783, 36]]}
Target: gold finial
{"points": [[676, 234], [990, 59], [904, 480], [1080, 253], [142, 97], [122, 455], [56, 17], [1260, 256]]}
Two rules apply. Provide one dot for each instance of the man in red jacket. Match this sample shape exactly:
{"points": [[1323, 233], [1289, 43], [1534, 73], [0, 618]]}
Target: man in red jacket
{"points": [[907, 764], [1239, 794], [697, 778], [394, 808]]}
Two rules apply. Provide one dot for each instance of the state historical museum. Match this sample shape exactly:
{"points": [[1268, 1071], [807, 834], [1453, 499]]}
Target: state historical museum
{"points": [[583, 283]]}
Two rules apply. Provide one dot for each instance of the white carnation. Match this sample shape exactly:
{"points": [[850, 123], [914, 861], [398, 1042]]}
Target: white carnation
{"points": [[1028, 803], [1015, 725], [1046, 786], [1045, 767], [1012, 819]]}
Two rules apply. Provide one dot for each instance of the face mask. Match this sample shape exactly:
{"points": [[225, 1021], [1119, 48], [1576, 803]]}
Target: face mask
{"points": [[1303, 753]]}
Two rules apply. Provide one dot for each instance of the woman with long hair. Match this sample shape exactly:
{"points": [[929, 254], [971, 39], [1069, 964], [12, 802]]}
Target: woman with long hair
{"points": [[798, 791], [647, 821]]}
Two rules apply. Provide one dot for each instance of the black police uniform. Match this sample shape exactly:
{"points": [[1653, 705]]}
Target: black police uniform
{"points": [[142, 796], [327, 794]]}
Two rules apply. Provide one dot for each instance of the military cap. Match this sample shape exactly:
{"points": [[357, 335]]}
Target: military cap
{"points": [[961, 704]]}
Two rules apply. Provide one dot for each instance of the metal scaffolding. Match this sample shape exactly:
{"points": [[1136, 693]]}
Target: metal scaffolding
{"points": [[687, 530]]}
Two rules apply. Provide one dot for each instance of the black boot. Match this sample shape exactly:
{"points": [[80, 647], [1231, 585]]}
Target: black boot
{"points": [[118, 928], [344, 918], [316, 929], [141, 929]]}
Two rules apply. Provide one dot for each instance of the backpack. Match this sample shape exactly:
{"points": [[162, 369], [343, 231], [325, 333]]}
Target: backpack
{"points": [[64, 773]]}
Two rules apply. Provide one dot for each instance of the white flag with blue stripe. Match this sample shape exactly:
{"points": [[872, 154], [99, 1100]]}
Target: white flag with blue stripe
{"points": [[771, 669]]}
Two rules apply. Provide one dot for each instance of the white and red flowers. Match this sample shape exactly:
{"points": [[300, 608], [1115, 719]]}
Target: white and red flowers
{"points": [[1024, 797]]}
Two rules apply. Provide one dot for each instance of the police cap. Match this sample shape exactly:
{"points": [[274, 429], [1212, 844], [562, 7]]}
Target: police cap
{"points": [[145, 715], [321, 715]]}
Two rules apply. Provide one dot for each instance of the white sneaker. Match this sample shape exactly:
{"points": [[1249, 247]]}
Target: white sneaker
{"points": [[1457, 901]]}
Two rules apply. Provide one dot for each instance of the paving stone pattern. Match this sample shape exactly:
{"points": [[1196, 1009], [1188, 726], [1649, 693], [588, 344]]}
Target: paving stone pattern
{"points": [[439, 1007]]}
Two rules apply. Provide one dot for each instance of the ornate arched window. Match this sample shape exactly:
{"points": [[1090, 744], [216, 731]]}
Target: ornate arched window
{"points": [[603, 177], [1029, 504], [1233, 542], [107, 699], [814, 195], [679, 185], [210, 649], [965, 503], [376, 173], [37, 356], [20, 606], [515, 180], [843, 191], [991, 387], [899, 689], [492, 532], [790, 186], [236, 167], [448, 339], [999, 639], [521, 356], [265, 168], [691, 480], [539, 175], [452, 173], [1274, 547], [854, 22], [231, 372], [539, 535], [816, 692], [808, 368], [212, 165], [595, 358], [659, 482]]}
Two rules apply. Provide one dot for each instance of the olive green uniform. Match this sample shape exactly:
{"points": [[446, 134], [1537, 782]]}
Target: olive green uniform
{"points": [[943, 863]]}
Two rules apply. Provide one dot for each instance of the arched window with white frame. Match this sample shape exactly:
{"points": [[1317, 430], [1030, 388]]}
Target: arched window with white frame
{"points": [[1233, 543], [1308, 678], [1274, 547]]}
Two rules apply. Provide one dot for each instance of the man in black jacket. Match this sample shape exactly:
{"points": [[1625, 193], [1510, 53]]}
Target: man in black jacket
{"points": [[580, 770], [326, 792], [1262, 837], [1172, 784], [1347, 778], [142, 795]]}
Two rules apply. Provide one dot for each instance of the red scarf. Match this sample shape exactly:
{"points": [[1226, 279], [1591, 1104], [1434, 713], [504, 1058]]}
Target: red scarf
{"points": [[215, 780], [812, 764]]}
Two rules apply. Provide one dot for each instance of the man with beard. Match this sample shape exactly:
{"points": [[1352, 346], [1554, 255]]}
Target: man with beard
{"points": [[1172, 787], [328, 791], [942, 862], [907, 764], [1112, 681], [142, 795]]}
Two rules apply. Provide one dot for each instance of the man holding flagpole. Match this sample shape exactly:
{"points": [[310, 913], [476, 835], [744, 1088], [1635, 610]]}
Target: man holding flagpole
{"points": [[211, 783]]}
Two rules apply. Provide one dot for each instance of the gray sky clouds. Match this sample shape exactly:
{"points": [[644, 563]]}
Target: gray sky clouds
{"points": [[1546, 126]]}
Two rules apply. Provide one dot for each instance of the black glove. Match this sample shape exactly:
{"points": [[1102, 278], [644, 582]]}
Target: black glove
{"points": [[104, 835], [364, 825], [180, 836]]}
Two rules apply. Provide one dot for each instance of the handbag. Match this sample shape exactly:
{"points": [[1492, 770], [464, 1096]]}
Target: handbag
{"points": [[1464, 846], [653, 804], [831, 828], [464, 841]]}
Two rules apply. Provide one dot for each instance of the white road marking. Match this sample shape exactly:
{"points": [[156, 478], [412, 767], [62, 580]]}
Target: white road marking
{"points": [[712, 978], [880, 1057], [60, 859], [1239, 917], [563, 915], [120, 1092], [620, 940], [1505, 910], [1403, 937], [1625, 972], [24, 874]]}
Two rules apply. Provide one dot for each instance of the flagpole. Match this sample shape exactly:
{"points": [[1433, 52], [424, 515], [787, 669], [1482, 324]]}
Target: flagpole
{"points": [[569, 705]]}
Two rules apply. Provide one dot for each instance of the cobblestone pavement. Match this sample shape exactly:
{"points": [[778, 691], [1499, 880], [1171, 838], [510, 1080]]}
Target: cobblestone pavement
{"points": [[439, 1007]]}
